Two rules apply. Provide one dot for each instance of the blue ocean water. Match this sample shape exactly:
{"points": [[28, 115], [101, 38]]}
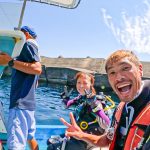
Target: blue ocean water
{"points": [[49, 106]]}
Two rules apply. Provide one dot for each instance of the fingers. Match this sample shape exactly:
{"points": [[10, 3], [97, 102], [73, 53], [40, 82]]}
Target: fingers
{"points": [[73, 122], [89, 94], [77, 136], [2, 53], [70, 134], [65, 122]]}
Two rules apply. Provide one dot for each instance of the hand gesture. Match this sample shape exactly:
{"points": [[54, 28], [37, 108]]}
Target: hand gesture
{"points": [[88, 94], [73, 129], [66, 94]]}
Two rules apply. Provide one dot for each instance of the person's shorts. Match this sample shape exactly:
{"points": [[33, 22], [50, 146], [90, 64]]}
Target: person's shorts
{"points": [[21, 127]]}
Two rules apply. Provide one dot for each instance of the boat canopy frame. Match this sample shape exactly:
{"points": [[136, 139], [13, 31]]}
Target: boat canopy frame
{"points": [[72, 4]]}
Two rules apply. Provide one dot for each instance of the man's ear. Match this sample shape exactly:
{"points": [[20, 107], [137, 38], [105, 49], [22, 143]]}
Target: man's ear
{"points": [[27, 35], [141, 69]]}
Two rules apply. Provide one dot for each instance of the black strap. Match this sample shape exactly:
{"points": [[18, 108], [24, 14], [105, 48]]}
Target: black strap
{"points": [[114, 120]]}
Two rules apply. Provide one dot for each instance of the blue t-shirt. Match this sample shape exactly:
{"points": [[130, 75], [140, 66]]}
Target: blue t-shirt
{"points": [[22, 84]]}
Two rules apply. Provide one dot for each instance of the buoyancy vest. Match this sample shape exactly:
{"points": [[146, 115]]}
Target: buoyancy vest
{"points": [[86, 118], [135, 133]]}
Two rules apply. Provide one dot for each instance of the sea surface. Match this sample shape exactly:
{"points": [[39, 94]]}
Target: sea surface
{"points": [[49, 106]]}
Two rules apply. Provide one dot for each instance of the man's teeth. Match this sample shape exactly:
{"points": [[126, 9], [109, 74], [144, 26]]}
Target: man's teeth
{"points": [[123, 85]]}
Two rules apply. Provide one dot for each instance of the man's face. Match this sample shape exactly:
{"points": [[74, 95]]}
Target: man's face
{"points": [[83, 83], [125, 78]]}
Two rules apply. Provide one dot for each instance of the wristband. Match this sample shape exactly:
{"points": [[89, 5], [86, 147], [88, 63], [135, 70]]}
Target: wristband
{"points": [[11, 63], [110, 133]]}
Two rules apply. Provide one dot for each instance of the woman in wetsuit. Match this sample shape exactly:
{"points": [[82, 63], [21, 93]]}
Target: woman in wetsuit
{"points": [[89, 112]]}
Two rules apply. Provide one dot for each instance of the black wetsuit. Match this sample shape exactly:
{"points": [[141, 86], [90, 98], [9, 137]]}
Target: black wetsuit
{"points": [[138, 104]]}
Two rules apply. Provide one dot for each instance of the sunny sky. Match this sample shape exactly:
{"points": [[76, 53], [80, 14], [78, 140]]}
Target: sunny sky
{"points": [[95, 28]]}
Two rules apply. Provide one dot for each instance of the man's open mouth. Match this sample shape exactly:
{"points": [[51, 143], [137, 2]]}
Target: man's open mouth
{"points": [[124, 88]]}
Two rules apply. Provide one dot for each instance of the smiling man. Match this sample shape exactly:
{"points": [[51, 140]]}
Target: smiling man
{"points": [[124, 73], [130, 125]]}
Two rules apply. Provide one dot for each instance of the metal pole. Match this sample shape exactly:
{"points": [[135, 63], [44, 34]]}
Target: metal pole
{"points": [[21, 15]]}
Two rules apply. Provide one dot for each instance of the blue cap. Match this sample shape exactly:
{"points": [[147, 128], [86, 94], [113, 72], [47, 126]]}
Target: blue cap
{"points": [[29, 30]]}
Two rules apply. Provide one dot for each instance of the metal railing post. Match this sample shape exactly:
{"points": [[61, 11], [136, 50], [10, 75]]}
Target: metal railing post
{"points": [[21, 15]]}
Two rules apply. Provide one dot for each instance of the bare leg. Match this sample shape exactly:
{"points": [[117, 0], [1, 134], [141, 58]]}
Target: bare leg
{"points": [[1, 147], [33, 144]]}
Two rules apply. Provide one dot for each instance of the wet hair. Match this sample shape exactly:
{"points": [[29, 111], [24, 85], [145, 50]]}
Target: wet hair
{"points": [[83, 74], [120, 54]]}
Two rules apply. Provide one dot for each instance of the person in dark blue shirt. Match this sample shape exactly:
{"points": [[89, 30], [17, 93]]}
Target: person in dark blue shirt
{"points": [[25, 71]]}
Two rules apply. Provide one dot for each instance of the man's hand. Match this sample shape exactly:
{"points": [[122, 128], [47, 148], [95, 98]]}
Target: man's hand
{"points": [[4, 59], [73, 129]]}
